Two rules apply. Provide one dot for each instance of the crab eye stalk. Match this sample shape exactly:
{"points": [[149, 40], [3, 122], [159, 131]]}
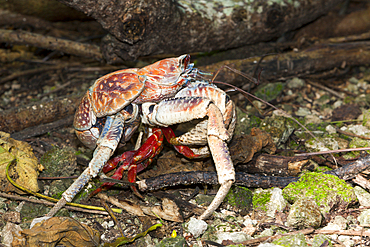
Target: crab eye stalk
{"points": [[184, 61]]}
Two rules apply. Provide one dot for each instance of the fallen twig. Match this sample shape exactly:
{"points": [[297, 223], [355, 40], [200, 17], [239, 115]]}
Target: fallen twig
{"points": [[51, 43], [336, 94], [34, 71], [22, 198]]}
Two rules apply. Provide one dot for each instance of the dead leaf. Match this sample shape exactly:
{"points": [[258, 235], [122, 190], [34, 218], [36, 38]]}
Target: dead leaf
{"points": [[25, 171], [58, 230], [168, 211]]}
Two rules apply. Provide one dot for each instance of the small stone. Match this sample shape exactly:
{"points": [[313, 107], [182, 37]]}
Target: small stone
{"points": [[330, 129], [197, 227], [277, 202], [364, 218], [339, 223], [319, 239], [268, 245], [233, 236], [302, 111], [353, 80], [362, 195], [304, 213], [295, 83]]}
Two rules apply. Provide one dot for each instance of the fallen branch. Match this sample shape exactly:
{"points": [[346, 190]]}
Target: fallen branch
{"points": [[248, 180], [17, 119], [314, 59], [51, 43]]}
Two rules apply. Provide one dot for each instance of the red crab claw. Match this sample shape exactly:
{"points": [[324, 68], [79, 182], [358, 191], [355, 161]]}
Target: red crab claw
{"points": [[134, 161]]}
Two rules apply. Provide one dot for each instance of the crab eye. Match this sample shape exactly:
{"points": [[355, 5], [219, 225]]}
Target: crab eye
{"points": [[184, 62]]}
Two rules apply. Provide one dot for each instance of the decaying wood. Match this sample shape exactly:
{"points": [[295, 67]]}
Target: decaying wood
{"points": [[314, 59], [51, 43], [363, 182], [275, 165], [141, 28], [42, 128]]}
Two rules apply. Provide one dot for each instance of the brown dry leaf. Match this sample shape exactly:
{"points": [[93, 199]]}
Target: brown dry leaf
{"points": [[168, 211], [243, 147], [58, 230], [25, 170]]}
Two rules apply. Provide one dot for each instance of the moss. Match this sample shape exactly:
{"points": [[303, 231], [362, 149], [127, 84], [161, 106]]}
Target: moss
{"points": [[270, 91], [323, 188], [260, 199]]}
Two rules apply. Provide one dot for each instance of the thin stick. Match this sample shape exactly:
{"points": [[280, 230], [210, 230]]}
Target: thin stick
{"points": [[21, 198], [326, 89]]}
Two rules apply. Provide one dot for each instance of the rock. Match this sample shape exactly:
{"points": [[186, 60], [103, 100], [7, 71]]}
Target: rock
{"points": [[270, 91], [319, 239], [312, 119], [364, 218], [362, 195], [302, 112], [297, 240], [304, 213], [172, 242], [196, 227], [240, 199], [277, 202], [330, 129], [233, 236], [261, 198], [339, 223], [327, 190], [295, 83]]}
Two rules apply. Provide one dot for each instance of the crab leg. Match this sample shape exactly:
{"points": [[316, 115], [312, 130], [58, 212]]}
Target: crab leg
{"points": [[178, 110], [106, 145]]}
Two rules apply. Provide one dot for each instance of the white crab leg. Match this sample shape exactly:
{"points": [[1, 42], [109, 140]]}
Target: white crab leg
{"points": [[179, 110], [221, 156], [107, 143]]}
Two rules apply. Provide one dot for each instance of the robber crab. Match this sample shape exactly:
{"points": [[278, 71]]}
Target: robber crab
{"points": [[158, 95]]}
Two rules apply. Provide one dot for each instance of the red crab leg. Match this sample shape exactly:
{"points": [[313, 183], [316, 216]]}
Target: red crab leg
{"points": [[135, 161]]}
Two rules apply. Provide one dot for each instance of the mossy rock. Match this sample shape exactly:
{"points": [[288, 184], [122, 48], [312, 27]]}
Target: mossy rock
{"points": [[261, 198], [172, 242], [327, 190], [298, 240], [270, 91], [240, 198]]}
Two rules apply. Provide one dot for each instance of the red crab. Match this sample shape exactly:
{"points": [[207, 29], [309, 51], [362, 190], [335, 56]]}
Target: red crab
{"points": [[159, 95]]}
